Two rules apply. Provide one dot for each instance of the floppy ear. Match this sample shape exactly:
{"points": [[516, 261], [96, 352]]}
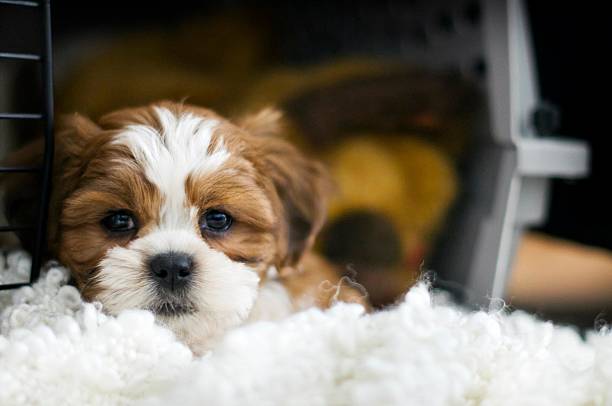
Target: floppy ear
{"points": [[73, 136], [302, 185]]}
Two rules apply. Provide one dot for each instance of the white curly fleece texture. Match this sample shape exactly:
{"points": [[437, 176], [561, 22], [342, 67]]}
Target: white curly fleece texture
{"points": [[56, 350]]}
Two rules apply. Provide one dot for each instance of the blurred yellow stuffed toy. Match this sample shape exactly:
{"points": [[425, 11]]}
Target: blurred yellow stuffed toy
{"points": [[393, 194]]}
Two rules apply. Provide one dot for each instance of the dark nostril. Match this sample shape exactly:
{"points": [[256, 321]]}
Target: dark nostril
{"points": [[172, 270], [183, 266]]}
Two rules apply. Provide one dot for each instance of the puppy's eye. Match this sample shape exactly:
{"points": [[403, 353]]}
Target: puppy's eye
{"points": [[119, 222], [215, 220]]}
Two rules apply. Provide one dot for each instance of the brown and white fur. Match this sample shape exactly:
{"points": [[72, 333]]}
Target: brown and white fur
{"points": [[168, 164]]}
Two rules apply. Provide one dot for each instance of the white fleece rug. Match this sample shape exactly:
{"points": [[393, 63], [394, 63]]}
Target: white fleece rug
{"points": [[56, 350]]}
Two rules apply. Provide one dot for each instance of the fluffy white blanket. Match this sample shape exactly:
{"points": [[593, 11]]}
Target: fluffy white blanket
{"points": [[57, 350]]}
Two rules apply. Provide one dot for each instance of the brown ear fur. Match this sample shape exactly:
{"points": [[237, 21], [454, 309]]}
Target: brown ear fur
{"points": [[266, 122], [303, 185], [74, 135]]}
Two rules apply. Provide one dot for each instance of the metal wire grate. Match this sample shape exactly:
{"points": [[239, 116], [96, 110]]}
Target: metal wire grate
{"points": [[46, 115]]}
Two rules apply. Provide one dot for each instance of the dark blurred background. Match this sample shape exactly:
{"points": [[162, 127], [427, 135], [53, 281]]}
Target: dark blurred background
{"points": [[572, 44]]}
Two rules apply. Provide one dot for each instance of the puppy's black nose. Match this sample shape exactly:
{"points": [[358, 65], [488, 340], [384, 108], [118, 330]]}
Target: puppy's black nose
{"points": [[172, 270]]}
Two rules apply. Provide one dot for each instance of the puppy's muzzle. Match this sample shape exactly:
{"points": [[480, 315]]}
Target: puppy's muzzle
{"points": [[172, 270]]}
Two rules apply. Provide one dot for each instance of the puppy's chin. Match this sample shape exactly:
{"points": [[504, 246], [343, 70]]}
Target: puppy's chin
{"points": [[220, 295]]}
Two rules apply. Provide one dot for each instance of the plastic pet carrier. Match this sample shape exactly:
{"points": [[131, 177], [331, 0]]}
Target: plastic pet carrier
{"points": [[507, 187]]}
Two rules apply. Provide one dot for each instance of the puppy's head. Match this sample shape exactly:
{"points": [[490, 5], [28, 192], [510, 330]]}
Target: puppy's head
{"points": [[174, 209]]}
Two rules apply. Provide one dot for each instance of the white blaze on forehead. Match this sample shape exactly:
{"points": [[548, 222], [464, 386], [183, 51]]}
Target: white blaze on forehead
{"points": [[169, 155]]}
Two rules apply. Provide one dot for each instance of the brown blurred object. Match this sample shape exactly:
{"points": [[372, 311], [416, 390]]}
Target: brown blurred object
{"points": [[394, 192], [209, 60], [366, 247], [556, 275], [330, 101]]}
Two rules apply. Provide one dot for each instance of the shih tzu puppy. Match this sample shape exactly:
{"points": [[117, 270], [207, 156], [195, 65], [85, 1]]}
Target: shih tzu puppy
{"points": [[205, 222]]}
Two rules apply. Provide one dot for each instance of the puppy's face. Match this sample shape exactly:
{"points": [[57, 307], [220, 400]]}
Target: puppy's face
{"points": [[174, 209]]}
